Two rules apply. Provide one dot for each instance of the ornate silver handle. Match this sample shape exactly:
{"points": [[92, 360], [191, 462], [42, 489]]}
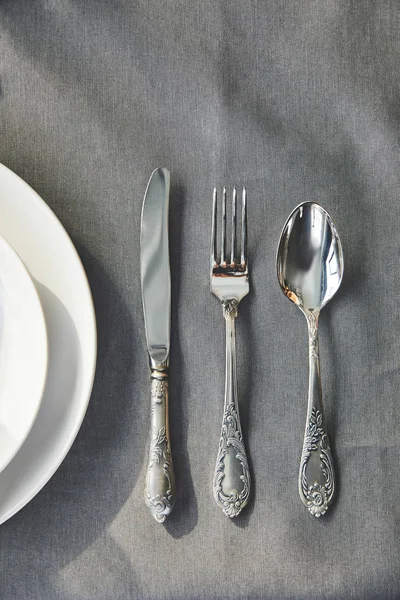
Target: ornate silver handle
{"points": [[316, 476], [160, 478], [231, 484]]}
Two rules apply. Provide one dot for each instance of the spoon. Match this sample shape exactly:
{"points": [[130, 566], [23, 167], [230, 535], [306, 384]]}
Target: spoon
{"points": [[310, 269]]}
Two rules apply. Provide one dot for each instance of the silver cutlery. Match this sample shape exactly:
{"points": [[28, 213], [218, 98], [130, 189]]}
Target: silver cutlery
{"points": [[310, 270], [230, 283], [156, 297]]}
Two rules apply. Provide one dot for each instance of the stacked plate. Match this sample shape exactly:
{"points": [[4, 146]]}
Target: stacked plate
{"points": [[47, 343]]}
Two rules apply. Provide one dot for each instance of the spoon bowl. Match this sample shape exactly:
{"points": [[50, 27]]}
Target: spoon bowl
{"points": [[310, 269], [310, 257]]}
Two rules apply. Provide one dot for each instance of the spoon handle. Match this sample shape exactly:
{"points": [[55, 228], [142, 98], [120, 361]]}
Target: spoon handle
{"points": [[316, 475], [231, 485]]}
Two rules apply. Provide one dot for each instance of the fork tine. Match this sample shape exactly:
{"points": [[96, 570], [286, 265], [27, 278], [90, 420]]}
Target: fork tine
{"points": [[243, 258], [233, 244], [223, 257], [214, 230]]}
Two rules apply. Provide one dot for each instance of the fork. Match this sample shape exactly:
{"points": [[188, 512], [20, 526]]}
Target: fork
{"points": [[230, 283]]}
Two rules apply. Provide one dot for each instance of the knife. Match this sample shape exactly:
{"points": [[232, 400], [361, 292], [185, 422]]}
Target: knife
{"points": [[156, 297]]}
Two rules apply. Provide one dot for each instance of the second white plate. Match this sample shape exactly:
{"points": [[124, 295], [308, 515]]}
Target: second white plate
{"points": [[23, 353]]}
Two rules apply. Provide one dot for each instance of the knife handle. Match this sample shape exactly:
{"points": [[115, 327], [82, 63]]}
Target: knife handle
{"points": [[160, 479]]}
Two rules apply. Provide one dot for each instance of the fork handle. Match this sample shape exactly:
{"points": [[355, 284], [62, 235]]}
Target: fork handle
{"points": [[160, 478], [231, 485]]}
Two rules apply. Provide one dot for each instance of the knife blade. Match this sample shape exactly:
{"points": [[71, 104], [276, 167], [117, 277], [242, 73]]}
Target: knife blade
{"points": [[156, 299]]}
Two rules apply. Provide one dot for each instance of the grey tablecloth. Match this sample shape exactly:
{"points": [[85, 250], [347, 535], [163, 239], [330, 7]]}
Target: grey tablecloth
{"points": [[297, 100]]}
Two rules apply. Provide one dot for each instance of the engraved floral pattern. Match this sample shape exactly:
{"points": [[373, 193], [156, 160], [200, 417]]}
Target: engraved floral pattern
{"points": [[159, 388], [230, 309], [312, 319], [160, 505], [231, 436], [315, 496]]}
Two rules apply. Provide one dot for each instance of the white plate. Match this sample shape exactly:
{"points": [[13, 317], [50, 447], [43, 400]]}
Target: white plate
{"points": [[23, 353], [44, 246]]}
